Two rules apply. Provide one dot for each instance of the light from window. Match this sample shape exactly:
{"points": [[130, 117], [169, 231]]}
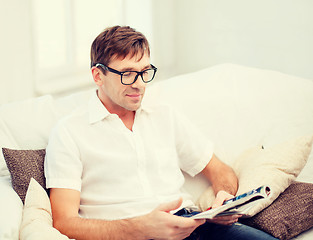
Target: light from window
{"points": [[63, 31]]}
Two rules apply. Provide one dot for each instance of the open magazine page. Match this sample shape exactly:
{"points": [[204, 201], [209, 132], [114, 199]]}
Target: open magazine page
{"points": [[237, 205]]}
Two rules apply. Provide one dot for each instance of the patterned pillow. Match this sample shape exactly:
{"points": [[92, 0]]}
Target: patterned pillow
{"points": [[24, 165], [289, 215]]}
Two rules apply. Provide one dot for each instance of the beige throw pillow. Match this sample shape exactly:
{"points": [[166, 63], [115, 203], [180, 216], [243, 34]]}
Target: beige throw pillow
{"points": [[37, 216], [277, 166]]}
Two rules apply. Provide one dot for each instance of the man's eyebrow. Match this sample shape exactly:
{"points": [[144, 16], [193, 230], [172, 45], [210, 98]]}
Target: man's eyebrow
{"points": [[132, 69]]}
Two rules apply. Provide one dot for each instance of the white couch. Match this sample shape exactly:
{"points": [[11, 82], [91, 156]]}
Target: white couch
{"points": [[236, 106]]}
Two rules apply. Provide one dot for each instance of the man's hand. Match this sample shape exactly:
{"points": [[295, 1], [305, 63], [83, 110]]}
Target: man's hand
{"points": [[160, 224], [221, 196]]}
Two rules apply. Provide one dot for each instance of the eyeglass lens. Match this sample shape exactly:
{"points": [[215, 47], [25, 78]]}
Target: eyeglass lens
{"points": [[131, 77]]}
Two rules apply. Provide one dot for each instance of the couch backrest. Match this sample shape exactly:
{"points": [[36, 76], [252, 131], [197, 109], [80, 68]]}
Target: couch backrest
{"points": [[238, 107], [27, 124]]}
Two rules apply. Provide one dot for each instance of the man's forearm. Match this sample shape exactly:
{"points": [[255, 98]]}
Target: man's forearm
{"points": [[227, 182], [85, 229], [221, 176], [158, 224]]}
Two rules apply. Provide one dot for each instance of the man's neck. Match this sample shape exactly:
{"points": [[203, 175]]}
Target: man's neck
{"points": [[128, 120], [127, 116]]}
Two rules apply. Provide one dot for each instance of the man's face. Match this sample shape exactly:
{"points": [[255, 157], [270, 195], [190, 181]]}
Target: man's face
{"points": [[118, 97]]}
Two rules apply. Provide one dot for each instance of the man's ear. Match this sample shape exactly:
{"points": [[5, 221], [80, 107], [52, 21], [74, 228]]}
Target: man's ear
{"points": [[97, 75]]}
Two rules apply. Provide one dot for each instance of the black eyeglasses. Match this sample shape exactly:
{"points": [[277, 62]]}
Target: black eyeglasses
{"points": [[130, 77]]}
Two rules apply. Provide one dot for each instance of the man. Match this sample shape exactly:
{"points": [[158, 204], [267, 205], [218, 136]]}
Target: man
{"points": [[114, 167]]}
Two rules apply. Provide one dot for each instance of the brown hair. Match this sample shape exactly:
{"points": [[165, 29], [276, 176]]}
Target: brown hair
{"points": [[118, 42]]}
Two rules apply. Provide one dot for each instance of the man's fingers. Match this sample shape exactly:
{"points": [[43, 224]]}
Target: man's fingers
{"points": [[221, 196], [226, 220], [185, 222]]}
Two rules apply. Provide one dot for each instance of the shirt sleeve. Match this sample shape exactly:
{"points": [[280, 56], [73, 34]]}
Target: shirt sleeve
{"points": [[63, 167], [194, 149]]}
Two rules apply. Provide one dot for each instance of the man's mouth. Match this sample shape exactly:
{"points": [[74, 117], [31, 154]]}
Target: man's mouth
{"points": [[134, 96]]}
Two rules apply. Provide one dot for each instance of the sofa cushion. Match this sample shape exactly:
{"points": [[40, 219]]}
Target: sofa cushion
{"points": [[24, 165], [276, 166], [37, 216], [289, 215], [26, 125], [11, 209]]}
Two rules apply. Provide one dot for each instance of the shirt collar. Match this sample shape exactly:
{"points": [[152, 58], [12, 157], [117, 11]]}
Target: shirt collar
{"points": [[98, 112]]}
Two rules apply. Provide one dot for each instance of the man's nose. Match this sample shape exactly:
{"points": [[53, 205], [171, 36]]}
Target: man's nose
{"points": [[139, 83]]}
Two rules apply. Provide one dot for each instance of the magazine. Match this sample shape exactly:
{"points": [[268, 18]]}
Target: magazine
{"points": [[237, 205]]}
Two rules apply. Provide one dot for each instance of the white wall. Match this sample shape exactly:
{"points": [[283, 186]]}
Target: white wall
{"points": [[269, 34], [16, 59]]}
